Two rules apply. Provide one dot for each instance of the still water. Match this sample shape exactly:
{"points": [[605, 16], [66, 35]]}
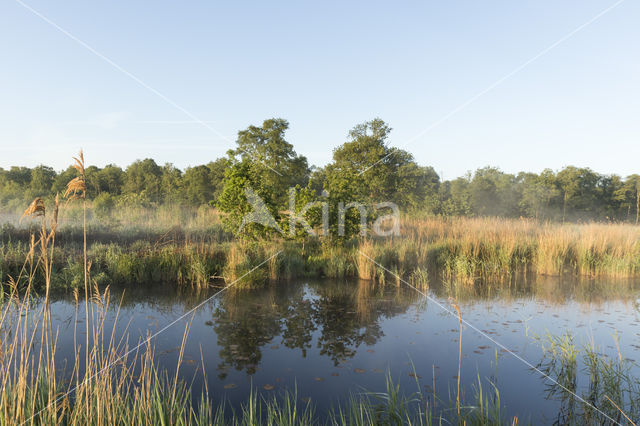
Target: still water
{"points": [[330, 339]]}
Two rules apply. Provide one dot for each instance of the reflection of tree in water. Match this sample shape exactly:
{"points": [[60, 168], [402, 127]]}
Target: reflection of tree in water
{"points": [[298, 323], [347, 315], [343, 327], [243, 326]]}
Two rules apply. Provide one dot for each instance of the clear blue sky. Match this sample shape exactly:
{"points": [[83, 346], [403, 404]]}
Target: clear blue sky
{"points": [[325, 67]]}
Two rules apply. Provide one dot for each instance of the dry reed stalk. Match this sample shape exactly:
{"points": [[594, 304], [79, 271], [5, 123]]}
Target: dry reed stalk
{"points": [[364, 265], [621, 412], [77, 189]]}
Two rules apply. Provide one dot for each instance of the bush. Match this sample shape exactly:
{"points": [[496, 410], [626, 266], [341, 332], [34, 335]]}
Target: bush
{"points": [[103, 204]]}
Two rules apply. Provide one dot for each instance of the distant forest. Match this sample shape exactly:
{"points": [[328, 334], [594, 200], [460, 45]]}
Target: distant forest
{"points": [[365, 168]]}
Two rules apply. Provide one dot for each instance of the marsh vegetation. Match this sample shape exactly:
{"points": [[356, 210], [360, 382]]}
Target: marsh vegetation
{"points": [[199, 253], [80, 313]]}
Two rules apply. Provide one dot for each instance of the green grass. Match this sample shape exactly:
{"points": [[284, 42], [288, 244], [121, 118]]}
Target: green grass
{"points": [[190, 248]]}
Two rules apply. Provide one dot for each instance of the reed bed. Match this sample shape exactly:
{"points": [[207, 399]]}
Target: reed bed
{"points": [[499, 249], [198, 252]]}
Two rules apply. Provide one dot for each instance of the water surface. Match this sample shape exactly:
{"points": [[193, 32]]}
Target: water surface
{"points": [[330, 338]]}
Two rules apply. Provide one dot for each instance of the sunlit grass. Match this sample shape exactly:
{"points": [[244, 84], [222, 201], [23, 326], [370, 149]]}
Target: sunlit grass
{"points": [[192, 249]]}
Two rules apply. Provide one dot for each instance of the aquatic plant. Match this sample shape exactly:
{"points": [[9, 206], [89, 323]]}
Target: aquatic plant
{"points": [[611, 395]]}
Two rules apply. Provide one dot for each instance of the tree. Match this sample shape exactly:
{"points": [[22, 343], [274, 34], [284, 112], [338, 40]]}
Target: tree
{"points": [[271, 158], [607, 203], [19, 175], [14, 183], [42, 178], [537, 193], [569, 182], [264, 165], [361, 167], [103, 204], [143, 177], [493, 193], [111, 179], [171, 184], [62, 179], [93, 181], [198, 185], [456, 198], [629, 196], [367, 171], [634, 181], [417, 187], [216, 171], [581, 188]]}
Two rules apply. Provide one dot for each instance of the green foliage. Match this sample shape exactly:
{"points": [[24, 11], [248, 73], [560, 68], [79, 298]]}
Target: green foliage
{"points": [[42, 178], [455, 197], [144, 177], [233, 201], [264, 165], [271, 158], [199, 185], [365, 169], [62, 179]]}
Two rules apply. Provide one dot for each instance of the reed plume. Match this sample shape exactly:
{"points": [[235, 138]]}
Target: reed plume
{"points": [[35, 209], [77, 189]]}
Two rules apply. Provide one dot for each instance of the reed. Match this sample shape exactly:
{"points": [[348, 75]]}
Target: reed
{"points": [[611, 385], [363, 259], [466, 251]]}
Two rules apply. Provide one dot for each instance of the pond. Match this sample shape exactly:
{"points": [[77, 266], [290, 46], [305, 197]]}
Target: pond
{"points": [[328, 339]]}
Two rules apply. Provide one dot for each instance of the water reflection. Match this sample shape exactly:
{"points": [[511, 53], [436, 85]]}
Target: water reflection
{"points": [[550, 289], [342, 318], [328, 338]]}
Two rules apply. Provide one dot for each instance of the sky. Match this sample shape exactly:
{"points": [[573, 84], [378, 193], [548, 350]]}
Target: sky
{"points": [[519, 85]]}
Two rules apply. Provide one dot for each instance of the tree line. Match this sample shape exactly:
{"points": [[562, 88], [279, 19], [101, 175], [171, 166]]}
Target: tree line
{"points": [[365, 169]]}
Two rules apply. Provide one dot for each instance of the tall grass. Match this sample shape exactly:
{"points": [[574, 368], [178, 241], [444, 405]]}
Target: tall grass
{"points": [[190, 248], [501, 249]]}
